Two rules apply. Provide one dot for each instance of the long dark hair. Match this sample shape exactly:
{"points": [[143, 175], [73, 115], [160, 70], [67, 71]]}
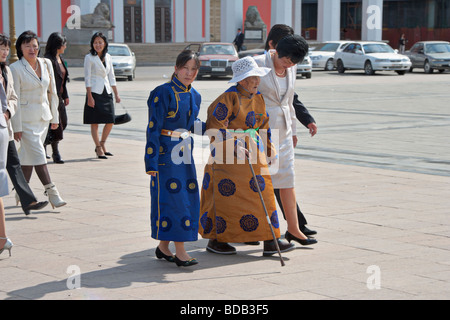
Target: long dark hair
{"points": [[4, 40], [105, 50], [25, 37], [55, 41], [184, 57]]}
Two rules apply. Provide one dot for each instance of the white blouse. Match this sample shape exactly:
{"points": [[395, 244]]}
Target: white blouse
{"points": [[282, 82]]}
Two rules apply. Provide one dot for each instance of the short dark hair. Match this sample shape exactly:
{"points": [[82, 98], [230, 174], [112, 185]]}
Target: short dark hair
{"points": [[25, 37], [55, 41], [293, 47], [278, 32], [105, 50], [184, 57]]}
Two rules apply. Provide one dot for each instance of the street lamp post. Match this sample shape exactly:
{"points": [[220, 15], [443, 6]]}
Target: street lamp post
{"points": [[12, 33]]}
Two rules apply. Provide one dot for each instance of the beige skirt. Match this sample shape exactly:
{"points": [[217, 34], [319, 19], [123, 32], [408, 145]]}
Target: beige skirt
{"points": [[31, 151], [283, 170]]}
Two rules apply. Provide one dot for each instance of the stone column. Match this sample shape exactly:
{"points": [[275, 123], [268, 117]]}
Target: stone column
{"points": [[118, 22], [281, 13], [149, 18], [179, 24], [232, 19], [329, 20], [372, 20], [297, 16]]}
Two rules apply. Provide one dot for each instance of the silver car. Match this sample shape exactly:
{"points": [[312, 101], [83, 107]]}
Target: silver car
{"points": [[322, 55], [304, 68], [124, 60], [430, 55]]}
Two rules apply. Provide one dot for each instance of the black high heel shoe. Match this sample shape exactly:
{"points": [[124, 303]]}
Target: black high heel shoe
{"points": [[160, 255], [102, 144], [189, 263], [307, 242], [98, 156]]}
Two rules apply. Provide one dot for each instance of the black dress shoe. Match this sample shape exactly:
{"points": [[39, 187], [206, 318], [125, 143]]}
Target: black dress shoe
{"points": [[35, 207], [307, 242], [160, 255], [215, 246], [307, 232], [57, 158], [270, 247], [189, 263]]}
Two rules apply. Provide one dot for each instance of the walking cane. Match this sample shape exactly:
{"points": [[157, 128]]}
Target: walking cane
{"points": [[265, 210]]}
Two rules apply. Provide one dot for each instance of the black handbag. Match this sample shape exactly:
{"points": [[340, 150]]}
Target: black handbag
{"points": [[122, 118]]}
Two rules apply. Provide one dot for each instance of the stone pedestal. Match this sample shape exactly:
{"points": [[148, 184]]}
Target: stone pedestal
{"points": [[255, 35], [84, 35]]}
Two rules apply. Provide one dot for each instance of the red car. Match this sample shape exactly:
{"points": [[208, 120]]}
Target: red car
{"points": [[216, 58]]}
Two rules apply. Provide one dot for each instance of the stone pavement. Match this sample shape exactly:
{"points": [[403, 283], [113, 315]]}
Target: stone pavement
{"points": [[382, 235]]}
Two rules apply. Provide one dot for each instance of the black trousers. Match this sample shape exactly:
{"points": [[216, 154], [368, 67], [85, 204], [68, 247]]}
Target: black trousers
{"points": [[301, 218], [15, 173]]}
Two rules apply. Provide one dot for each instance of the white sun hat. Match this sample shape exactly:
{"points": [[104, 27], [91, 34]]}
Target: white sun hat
{"points": [[247, 67]]}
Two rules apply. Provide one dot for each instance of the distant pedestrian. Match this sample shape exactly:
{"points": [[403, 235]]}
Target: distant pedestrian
{"points": [[239, 40], [175, 200], [56, 45], [402, 44], [100, 83]]}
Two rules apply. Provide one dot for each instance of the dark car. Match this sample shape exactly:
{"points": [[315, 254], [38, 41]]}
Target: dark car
{"points": [[430, 55], [216, 58]]}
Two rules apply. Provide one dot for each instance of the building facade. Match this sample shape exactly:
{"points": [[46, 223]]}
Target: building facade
{"points": [[178, 21]]}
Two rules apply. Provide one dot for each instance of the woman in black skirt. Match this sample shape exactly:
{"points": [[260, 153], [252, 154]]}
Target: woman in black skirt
{"points": [[100, 84], [56, 45]]}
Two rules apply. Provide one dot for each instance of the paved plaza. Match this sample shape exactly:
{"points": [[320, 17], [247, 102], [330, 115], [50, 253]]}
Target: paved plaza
{"points": [[374, 183]]}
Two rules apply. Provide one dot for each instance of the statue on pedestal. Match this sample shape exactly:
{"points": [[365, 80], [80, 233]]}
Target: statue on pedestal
{"points": [[255, 28], [88, 24], [99, 19]]}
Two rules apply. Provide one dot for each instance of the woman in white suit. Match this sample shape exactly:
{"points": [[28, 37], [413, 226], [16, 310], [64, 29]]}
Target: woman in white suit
{"points": [[34, 84], [277, 89], [100, 84], [5, 243]]}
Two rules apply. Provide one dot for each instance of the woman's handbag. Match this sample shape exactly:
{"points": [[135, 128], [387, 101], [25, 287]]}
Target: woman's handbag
{"points": [[122, 118]]}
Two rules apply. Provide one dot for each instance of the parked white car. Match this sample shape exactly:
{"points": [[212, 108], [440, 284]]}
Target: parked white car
{"points": [[371, 57], [322, 55], [304, 68], [124, 60]]}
